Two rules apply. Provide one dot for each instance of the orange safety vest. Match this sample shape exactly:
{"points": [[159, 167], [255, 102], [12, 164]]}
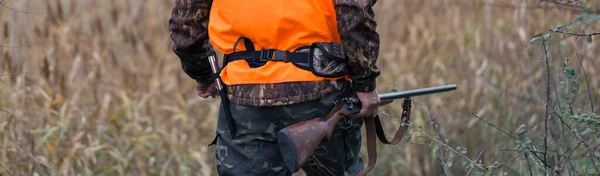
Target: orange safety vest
{"points": [[270, 24]]}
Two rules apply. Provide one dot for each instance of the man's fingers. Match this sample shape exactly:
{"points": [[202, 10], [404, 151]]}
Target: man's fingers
{"points": [[200, 90], [362, 113], [206, 91], [370, 103], [214, 92], [204, 95], [373, 109], [370, 111]]}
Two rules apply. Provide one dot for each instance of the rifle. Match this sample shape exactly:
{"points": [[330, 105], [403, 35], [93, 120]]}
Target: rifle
{"points": [[214, 67], [297, 142]]}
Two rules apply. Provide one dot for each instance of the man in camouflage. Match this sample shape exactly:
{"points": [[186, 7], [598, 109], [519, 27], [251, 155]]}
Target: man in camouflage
{"points": [[259, 111]]}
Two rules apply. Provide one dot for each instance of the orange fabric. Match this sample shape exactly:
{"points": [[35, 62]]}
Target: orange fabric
{"points": [[270, 24]]}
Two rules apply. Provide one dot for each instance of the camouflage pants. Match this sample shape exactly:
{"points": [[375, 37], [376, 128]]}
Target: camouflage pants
{"points": [[254, 151]]}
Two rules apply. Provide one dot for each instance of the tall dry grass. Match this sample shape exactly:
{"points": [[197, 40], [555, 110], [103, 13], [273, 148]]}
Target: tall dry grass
{"points": [[91, 87]]}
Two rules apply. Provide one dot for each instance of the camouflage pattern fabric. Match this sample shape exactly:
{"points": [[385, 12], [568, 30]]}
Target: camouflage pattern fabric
{"points": [[329, 60], [282, 93], [360, 41], [254, 151]]}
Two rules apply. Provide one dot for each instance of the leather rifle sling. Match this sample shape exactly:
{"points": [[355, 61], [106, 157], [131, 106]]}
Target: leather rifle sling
{"points": [[374, 128], [371, 146], [406, 108]]}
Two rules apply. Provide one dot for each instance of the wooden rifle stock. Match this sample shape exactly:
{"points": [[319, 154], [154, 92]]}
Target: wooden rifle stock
{"points": [[297, 142]]}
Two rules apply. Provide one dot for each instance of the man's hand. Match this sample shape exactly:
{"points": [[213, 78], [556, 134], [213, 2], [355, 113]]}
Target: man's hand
{"points": [[207, 90], [370, 104]]}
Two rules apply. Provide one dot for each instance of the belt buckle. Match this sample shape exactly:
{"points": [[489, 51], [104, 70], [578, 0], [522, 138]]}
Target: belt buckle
{"points": [[280, 55], [265, 55]]}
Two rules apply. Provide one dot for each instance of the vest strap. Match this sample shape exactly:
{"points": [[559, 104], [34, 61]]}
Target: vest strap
{"points": [[260, 57]]}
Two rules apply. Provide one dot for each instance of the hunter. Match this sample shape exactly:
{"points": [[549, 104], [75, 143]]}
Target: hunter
{"points": [[285, 62]]}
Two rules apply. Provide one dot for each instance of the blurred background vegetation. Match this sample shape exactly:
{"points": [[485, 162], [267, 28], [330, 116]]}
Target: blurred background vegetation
{"points": [[92, 88]]}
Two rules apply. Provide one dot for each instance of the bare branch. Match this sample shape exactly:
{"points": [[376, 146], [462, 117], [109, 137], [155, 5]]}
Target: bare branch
{"points": [[436, 129], [570, 6], [535, 124], [502, 130], [571, 153], [516, 150], [585, 75], [547, 114], [509, 161], [432, 117], [451, 149], [544, 163], [529, 167], [576, 34], [587, 168], [535, 7], [476, 159], [566, 4], [582, 141], [443, 104]]}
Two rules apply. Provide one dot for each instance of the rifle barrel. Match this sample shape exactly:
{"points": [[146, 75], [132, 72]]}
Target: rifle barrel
{"points": [[416, 92], [214, 67]]}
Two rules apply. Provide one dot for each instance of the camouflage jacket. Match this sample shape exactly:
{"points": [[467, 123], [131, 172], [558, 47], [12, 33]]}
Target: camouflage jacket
{"points": [[188, 27]]}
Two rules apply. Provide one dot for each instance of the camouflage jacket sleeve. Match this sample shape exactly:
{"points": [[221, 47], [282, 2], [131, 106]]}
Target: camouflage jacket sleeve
{"points": [[360, 41], [188, 27]]}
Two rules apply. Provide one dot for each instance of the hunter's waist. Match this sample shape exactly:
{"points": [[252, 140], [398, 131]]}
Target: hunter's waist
{"points": [[279, 94]]}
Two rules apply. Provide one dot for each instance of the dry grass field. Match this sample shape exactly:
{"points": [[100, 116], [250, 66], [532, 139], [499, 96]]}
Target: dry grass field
{"points": [[91, 87]]}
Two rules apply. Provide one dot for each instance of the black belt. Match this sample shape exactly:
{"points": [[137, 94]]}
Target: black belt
{"points": [[260, 57]]}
